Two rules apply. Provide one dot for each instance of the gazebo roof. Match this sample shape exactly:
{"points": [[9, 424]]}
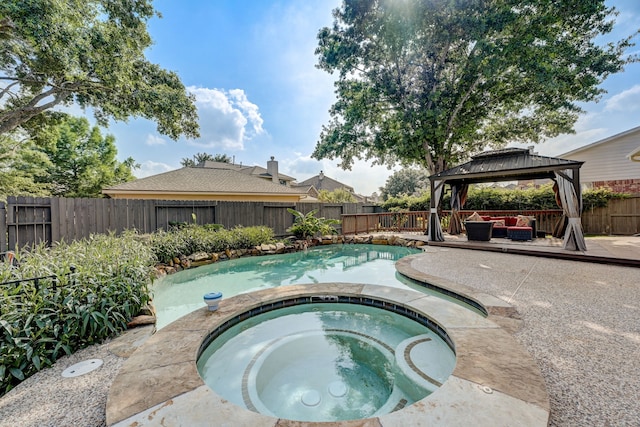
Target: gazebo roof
{"points": [[505, 165]]}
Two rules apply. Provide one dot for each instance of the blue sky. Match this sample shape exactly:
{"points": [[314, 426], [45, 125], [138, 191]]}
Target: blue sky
{"points": [[251, 65]]}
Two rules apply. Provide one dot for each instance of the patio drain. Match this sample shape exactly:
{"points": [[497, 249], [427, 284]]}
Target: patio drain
{"points": [[82, 368]]}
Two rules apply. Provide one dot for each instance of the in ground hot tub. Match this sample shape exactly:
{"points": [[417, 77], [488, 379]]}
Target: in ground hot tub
{"points": [[325, 360]]}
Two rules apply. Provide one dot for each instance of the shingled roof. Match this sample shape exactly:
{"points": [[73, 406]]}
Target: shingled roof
{"points": [[504, 165], [323, 182], [192, 180], [248, 170]]}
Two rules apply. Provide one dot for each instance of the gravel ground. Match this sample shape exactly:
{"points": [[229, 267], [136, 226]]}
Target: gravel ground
{"points": [[581, 323], [47, 399]]}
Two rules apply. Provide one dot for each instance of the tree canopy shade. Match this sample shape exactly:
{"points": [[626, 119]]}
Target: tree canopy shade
{"points": [[431, 81], [89, 52]]}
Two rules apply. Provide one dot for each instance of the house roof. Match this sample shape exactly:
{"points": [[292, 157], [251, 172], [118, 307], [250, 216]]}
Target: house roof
{"points": [[504, 165], [323, 182], [603, 141], [203, 180], [248, 170]]}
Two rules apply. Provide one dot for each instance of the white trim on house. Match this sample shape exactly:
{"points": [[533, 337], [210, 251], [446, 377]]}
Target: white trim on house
{"points": [[600, 142], [634, 156], [610, 160]]}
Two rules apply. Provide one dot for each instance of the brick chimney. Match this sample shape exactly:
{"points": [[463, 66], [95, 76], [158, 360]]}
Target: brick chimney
{"points": [[272, 169]]}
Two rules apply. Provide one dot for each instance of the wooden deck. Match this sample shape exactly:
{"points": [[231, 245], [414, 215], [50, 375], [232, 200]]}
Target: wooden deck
{"points": [[615, 250]]}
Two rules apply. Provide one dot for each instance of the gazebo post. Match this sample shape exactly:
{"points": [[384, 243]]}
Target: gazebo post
{"points": [[435, 232]]}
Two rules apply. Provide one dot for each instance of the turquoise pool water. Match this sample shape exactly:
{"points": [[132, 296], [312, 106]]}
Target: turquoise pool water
{"points": [[326, 362], [181, 293]]}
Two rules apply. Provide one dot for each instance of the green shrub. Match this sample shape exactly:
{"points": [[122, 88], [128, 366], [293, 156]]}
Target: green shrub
{"points": [[196, 238], [485, 198], [599, 198], [308, 225], [41, 323]]}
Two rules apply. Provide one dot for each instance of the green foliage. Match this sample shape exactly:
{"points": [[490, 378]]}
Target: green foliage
{"points": [[191, 238], [308, 225], [91, 53], [486, 198], [83, 161], [340, 195], [431, 82], [599, 197], [405, 182], [410, 203], [39, 325], [203, 157], [23, 168]]}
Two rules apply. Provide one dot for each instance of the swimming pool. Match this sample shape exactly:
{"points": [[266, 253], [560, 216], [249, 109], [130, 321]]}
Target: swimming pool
{"points": [[326, 361], [179, 294]]}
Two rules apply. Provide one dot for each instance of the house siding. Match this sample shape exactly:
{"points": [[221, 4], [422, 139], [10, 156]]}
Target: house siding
{"points": [[607, 164]]}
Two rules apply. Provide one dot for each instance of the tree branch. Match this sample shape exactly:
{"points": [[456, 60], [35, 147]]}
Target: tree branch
{"points": [[456, 110], [10, 120], [6, 89]]}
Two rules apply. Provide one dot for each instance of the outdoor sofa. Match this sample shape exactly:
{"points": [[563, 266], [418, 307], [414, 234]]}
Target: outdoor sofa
{"points": [[511, 227]]}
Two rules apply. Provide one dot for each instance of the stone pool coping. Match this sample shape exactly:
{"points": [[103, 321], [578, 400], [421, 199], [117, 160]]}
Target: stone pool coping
{"points": [[495, 381]]}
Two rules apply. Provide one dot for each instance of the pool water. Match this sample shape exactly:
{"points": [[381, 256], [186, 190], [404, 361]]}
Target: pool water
{"points": [[326, 362], [179, 294]]}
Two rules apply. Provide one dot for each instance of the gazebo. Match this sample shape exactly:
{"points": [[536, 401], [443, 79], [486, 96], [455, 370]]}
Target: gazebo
{"points": [[511, 164]]}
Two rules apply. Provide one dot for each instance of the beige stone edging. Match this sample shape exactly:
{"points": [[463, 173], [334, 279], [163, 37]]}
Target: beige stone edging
{"points": [[495, 381]]}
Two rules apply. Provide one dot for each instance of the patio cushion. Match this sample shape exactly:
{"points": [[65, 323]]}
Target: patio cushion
{"points": [[475, 217], [522, 221], [511, 221]]}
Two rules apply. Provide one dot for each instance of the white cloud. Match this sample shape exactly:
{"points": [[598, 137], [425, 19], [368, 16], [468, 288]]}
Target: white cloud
{"points": [[149, 168], [249, 109], [154, 140], [627, 101], [303, 166], [227, 118]]}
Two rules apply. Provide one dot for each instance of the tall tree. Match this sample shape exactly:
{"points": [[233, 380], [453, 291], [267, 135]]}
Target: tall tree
{"points": [[203, 157], [406, 181], [88, 52], [430, 81], [23, 167], [83, 161]]}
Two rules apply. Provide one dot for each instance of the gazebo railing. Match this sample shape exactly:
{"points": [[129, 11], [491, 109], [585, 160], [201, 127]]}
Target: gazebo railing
{"points": [[418, 221]]}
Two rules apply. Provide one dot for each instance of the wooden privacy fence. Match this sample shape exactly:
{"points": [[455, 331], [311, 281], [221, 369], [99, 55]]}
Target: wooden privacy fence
{"points": [[25, 221], [619, 217]]}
